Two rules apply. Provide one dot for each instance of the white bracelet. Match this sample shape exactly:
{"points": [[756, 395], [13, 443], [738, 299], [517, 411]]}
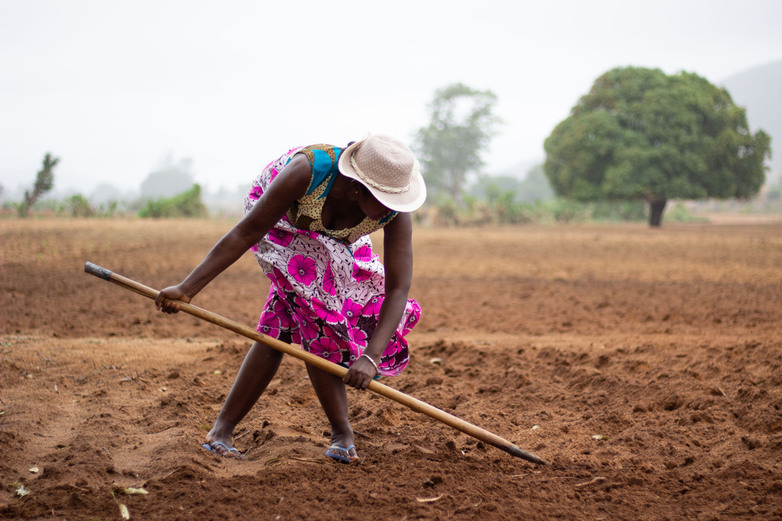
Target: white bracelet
{"points": [[372, 361]]}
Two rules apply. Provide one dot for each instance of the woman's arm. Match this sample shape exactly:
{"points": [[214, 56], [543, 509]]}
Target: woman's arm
{"points": [[398, 261], [290, 184]]}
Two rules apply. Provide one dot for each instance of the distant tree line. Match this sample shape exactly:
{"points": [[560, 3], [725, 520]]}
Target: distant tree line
{"points": [[184, 200], [636, 140], [638, 137]]}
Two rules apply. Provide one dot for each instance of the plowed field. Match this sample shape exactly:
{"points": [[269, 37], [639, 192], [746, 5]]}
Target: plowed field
{"points": [[644, 366]]}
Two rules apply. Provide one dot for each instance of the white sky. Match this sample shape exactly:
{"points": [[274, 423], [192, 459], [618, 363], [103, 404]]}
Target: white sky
{"points": [[113, 87]]}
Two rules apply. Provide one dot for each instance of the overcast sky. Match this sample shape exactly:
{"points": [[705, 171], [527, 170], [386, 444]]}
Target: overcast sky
{"points": [[115, 87]]}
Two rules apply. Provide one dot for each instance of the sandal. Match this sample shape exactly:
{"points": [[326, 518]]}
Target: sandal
{"points": [[343, 454], [221, 449]]}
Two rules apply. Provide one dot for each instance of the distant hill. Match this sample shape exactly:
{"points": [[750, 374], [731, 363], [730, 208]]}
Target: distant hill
{"points": [[759, 90]]}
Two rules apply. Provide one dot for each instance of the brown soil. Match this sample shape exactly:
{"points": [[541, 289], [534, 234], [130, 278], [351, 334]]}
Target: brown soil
{"points": [[645, 366]]}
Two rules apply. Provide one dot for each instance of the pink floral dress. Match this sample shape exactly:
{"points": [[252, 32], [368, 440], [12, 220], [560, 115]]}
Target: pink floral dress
{"points": [[327, 286]]}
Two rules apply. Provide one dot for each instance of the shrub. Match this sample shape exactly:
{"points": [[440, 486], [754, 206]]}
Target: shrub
{"points": [[78, 206], [186, 204]]}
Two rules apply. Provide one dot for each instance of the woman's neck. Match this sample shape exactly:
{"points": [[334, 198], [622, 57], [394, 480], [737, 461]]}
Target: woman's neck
{"points": [[341, 209]]}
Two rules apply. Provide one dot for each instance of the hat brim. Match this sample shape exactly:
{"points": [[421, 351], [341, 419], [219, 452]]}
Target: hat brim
{"points": [[410, 200]]}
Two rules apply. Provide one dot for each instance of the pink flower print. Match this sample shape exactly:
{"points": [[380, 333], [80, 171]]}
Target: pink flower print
{"points": [[364, 253], [269, 324], [413, 312], [309, 330], [328, 281], [329, 315], [409, 324], [359, 274], [390, 351], [358, 336], [330, 333], [326, 348], [302, 304], [303, 269], [270, 164], [373, 307], [274, 173], [280, 280], [280, 237], [283, 314], [255, 193], [351, 311]]}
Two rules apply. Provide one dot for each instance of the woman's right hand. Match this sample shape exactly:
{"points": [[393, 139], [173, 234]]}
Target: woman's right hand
{"points": [[165, 299]]}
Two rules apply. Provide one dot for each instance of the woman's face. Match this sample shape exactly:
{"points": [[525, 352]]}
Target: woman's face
{"points": [[371, 207]]}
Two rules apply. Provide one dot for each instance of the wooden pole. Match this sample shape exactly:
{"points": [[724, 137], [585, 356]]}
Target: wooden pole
{"points": [[295, 351]]}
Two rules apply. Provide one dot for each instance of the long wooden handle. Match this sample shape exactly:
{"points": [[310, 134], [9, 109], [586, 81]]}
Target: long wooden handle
{"points": [[295, 351]]}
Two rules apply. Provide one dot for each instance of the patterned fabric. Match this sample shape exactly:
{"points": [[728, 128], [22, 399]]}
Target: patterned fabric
{"points": [[306, 212], [325, 294]]}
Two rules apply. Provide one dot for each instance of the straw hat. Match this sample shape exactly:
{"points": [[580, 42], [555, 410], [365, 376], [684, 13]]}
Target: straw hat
{"points": [[387, 167]]}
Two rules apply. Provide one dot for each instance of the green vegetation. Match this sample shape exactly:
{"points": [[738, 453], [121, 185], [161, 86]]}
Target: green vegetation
{"points": [[502, 211], [44, 181], [186, 204], [461, 125], [638, 139], [79, 206], [642, 135]]}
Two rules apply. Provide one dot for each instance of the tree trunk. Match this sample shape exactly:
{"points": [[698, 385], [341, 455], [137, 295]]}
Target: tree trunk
{"points": [[656, 212]]}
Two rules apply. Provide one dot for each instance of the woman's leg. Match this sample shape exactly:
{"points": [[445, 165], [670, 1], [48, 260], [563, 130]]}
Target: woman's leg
{"points": [[334, 400], [259, 367]]}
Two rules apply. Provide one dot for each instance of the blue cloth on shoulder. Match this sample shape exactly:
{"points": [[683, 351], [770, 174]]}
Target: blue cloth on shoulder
{"points": [[324, 170]]}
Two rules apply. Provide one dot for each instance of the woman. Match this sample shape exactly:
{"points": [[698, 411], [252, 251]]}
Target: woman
{"points": [[308, 219]]}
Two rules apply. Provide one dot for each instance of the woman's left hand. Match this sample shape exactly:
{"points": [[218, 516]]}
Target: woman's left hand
{"points": [[360, 374]]}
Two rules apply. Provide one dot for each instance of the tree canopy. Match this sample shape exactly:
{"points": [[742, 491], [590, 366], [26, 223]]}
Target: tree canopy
{"points": [[461, 125], [642, 134]]}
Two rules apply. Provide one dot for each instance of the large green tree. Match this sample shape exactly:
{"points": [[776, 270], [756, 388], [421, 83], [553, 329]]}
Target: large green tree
{"points": [[462, 123], [642, 134], [44, 181]]}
